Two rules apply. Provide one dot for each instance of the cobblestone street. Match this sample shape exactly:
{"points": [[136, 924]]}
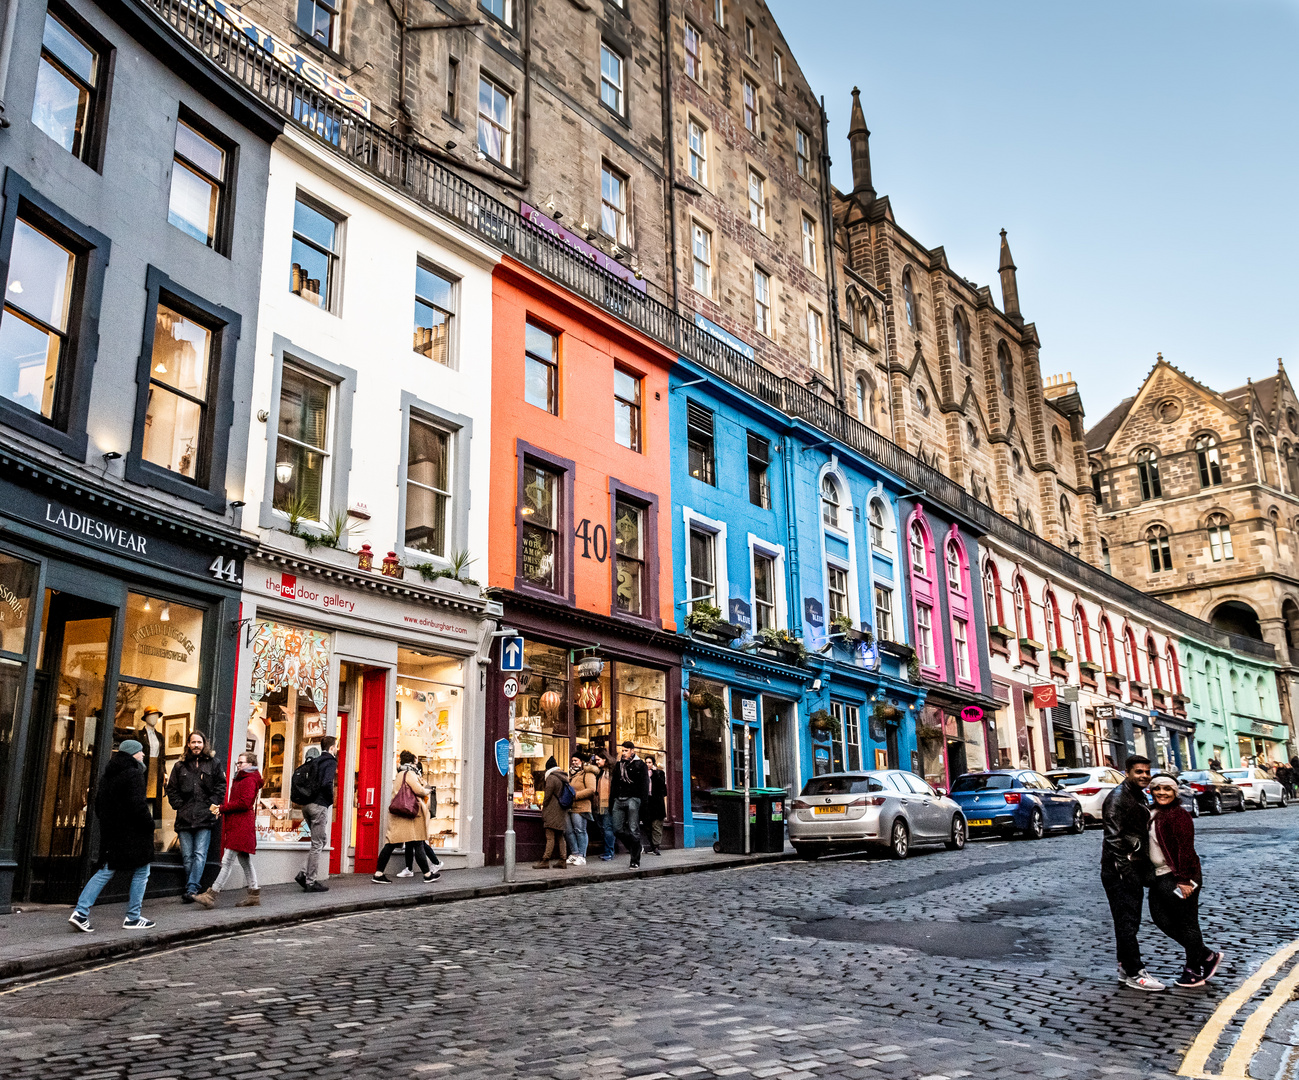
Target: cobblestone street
{"points": [[996, 961]]}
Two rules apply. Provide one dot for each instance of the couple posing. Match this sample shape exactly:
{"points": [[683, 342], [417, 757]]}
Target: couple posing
{"points": [[1155, 851]]}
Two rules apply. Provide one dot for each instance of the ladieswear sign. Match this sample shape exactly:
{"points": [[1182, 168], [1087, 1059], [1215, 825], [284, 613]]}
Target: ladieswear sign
{"points": [[93, 528]]}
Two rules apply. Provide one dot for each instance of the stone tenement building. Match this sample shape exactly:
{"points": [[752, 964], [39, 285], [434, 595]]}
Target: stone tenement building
{"points": [[1198, 499], [932, 363]]}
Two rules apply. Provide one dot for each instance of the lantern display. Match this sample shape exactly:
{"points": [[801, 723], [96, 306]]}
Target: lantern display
{"points": [[551, 702], [391, 565], [365, 558], [590, 695]]}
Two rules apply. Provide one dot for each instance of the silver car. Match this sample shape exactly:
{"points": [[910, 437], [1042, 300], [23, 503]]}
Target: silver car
{"points": [[843, 811], [1261, 788]]}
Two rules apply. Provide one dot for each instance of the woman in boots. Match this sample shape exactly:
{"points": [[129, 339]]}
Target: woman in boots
{"points": [[239, 834], [554, 819]]}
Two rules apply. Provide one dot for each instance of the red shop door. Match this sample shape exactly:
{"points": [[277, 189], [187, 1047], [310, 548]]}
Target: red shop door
{"points": [[340, 811], [369, 771]]}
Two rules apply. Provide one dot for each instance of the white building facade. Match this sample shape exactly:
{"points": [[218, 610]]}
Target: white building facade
{"points": [[371, 399]]}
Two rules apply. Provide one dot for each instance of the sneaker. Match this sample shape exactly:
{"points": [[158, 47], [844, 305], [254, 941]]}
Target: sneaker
{"points": [[316, 886], [606, 857], [432, 875], [635, 864], [1189, 978], [188, 898], [572, 859], [301, 879], [577, 860], [381, 878], [138, 924], [1210, 967], [81, 922], [408, 872], [655, 851], [1142, 981]]}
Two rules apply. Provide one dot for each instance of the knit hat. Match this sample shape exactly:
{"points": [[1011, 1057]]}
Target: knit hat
{"points": [[311, 752], [1164, 780], [131, 747]]}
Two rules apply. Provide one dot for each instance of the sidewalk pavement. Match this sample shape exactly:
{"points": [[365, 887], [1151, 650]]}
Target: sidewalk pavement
{"points": [[38, 941]]}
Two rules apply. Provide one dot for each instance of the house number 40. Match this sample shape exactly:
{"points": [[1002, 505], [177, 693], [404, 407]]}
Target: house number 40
{"points": [[594, 541]]}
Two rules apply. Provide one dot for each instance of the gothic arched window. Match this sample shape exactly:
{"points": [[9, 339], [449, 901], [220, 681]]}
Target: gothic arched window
{"points": [[1148, 474], [1220, 538], [1006, 368], [1206, 454], [830, 502], [961, 332], [909, 301], [1161, 555]]}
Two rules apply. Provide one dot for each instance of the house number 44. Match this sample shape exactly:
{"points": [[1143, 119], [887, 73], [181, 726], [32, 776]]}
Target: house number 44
{"points": [[224, 569]]}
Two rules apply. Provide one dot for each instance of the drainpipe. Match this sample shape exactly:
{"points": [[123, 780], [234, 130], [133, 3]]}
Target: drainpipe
{"points": [[831, 274], [792, 587], [6, 54], [669, 141]]}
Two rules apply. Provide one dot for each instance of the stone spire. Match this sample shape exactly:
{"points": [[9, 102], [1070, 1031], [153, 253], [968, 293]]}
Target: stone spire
{"points": [[1009, 288], [859, 140]]}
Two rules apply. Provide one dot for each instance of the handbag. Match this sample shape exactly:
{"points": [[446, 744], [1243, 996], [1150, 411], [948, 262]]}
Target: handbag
{"points": [[404, 804]]}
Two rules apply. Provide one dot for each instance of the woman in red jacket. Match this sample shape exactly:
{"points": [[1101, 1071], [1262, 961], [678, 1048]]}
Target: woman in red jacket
{"points": [[1175, 892], [238, 834]]}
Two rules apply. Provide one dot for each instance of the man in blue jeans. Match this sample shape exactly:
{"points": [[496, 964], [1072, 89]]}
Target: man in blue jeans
{"points": [[602, 804], [125, 836], [316, 813]]}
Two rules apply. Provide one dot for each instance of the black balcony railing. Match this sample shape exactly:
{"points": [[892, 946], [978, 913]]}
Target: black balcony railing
{"points": [[422, 178]]}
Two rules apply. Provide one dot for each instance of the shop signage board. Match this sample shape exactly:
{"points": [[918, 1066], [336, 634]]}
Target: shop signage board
{"points": [[512, 653], [740, 613], [1105, 712], [971, 714], [502, 747], [814, 613], [749, 711], [1045, 696], [868, 655]]}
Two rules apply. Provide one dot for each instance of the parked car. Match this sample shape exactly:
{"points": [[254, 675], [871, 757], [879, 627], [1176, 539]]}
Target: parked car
{"points": [[842, 811], [1214, 792], [1008, 801], [1260, 786], [1089, 786]]}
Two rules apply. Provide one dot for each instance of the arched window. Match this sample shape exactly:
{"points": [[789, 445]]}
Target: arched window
{"points": [[1148, 474], [919, 563], [954, 567], [1292, 469], [1152, 662], [1206, 453], [1274, 516], [1096, 481], [1220, 538], [872, 324], [865, 399], [1175, 670], [1057, 444], [1006, 368], [875, 520], [1161, 555], [909, 301], [1051, 622], [1260, 688], [1208, 686], [992, 594], [1023, 616], [1108, 660], [1131, 656], [1235, 690], [1066, 523], [961, 332], [1081, 635], [1105, 556], [830, 502]]}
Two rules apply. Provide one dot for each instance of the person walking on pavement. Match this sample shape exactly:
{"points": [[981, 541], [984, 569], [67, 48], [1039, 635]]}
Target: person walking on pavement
{"points": [[238, 834], [602, 803], [1175, 891], [656, 804], [585, 781], [554, 818], [629, 789], [1125, 867], [197, 784], [408, 831], [125, 837], [315, 811]]}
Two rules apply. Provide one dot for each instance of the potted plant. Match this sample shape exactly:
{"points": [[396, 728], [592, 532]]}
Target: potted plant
{"points": [[824, 723], [885, 712], [841, 627], [929, 732], [781, 645], [899, 649], [705, 620], [913, 669], [706, 703]]}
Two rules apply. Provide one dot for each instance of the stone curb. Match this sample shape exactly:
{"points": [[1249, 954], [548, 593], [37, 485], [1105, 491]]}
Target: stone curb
{"points": [[14, 973]]}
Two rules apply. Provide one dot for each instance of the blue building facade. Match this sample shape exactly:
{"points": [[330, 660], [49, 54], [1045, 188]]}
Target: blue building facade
{"points": [[789, 583]]}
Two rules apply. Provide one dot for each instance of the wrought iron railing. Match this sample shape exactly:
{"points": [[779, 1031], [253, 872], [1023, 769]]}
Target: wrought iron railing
{"points": [[421, 177]]}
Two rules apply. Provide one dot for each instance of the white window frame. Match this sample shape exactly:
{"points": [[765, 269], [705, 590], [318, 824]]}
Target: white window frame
{"points": [[698, 230], [692, 30], [803, 161], [619, 235], [507, 131], [925, 635], [754, 113], [886, 590], [721, 583], [778, 67], [832, 563], [697, 151], [961, 647], [775, 552], [809, 243], [618, 86], [762, 301], [816, 338], [758, 204]]}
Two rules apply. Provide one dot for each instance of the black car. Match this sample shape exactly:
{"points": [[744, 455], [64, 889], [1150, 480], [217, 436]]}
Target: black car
{"points": [[1213, 792]]}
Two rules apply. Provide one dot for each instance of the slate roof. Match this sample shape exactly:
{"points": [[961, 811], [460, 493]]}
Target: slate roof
{"points": [[1104, 429]]}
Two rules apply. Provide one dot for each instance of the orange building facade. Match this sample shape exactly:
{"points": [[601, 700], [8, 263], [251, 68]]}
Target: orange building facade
{"points": [[579, 545]]}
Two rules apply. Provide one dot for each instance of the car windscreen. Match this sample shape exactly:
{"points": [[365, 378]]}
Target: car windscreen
{"points": [[1071, 779], [983, 782], [841, 785], [1198, 777], [1236, 774]]}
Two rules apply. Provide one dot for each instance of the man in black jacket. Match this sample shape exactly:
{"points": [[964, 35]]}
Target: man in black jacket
{"points": [[125, 836], [1125, 867], [316, 813], [629, 787]]}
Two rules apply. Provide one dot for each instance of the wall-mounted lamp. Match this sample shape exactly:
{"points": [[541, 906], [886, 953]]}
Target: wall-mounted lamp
{"points": [[237, 504], [283, 472], [816, 684], [111, 455]]}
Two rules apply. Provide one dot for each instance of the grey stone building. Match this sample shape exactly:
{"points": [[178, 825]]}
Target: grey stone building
{"points": [[131, 240]]}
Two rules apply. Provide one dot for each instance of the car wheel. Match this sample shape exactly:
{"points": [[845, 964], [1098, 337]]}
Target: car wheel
{"points": [[809, 851], [957, 842], [1241, 808], [1079, 822], [1262, 800], [1215, 807], [1285, 800], [1195, 808], [1036, 826], [899, 839]]}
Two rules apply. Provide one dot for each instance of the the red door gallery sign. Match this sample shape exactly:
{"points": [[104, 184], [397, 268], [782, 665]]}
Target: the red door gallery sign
{"points": [[1045, 696]]}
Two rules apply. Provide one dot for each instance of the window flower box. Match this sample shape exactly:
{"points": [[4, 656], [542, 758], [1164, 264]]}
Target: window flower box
{"points": [[1031, 645], [1063, 655], [1090, 665]]}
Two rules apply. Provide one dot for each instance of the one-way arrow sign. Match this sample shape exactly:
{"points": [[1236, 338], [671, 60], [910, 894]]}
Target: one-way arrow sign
{"points": [[512, 654]]}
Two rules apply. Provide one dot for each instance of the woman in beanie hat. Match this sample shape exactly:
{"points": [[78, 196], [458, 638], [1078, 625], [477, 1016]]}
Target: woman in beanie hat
{"points": [[125, 836], [238, 834], [1175, 892]]}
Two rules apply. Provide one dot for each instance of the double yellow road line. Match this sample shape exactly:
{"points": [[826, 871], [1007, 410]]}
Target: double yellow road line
{"points": [[1236, 1065]]}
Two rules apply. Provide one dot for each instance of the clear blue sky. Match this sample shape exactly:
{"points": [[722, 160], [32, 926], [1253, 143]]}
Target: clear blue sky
{"points": [[1143, 156]]}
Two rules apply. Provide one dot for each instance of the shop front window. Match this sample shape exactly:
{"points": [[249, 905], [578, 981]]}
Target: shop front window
{"points": [[289, 689], [430, 710], [541, 721], [642, 708], [17, 595], [708, 765], [157, 699]]}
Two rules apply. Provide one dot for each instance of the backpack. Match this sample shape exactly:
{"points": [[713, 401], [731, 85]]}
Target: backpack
{"points": [[304, 786], [566, 793]]}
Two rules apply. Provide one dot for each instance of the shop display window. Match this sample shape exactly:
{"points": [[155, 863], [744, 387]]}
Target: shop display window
{"points": [[430, 713], [642, 708], [541, 721], [289, 690], [708, 765], [162, 647], [17, 591]]}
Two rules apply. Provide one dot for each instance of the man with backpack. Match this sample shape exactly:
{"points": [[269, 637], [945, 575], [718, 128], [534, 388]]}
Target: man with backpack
{"points": [[313, 790], [555, 802]]}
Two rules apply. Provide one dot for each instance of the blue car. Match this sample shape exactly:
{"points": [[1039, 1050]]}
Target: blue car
{"points": [[1009, 801]]}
